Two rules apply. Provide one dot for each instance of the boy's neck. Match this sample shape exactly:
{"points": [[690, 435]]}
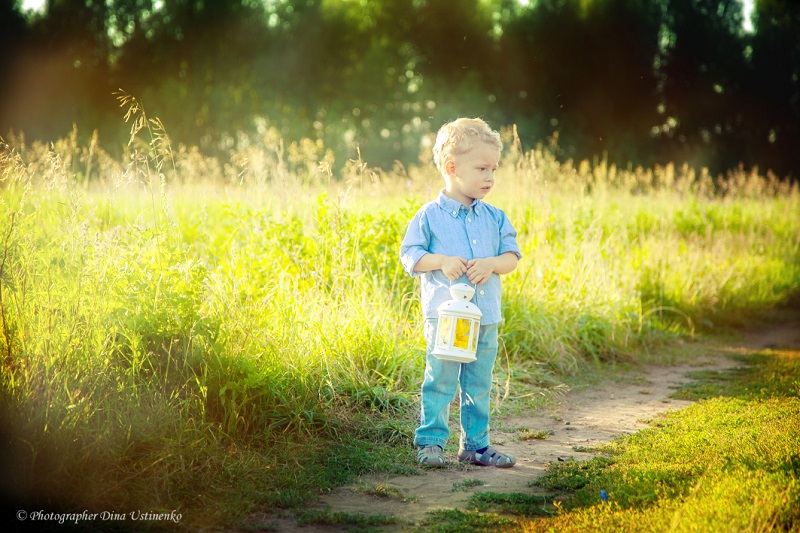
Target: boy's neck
{"points": [[463, 200]]}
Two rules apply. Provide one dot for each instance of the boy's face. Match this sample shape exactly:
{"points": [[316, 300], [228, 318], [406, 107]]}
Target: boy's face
{"points": [[471, 175]]}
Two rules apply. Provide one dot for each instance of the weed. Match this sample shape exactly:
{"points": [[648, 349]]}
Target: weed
{"points": [[467, 484], [515, 503], [382, 490], [542, 434], [572, 475]]}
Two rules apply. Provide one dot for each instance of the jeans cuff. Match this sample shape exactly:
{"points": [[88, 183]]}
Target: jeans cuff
{"points": [[468, 446], [430, 442]]}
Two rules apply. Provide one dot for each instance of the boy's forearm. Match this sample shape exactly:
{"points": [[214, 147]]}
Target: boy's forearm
{"points": [[452, 266], [429, 262], [505, 263], [502, 264]]}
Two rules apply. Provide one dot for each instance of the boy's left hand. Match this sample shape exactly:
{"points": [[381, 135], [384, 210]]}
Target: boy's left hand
{"points": [[480, 270]]}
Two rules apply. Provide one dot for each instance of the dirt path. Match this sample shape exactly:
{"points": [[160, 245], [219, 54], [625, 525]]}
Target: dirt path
{"points": [[580, 418]]}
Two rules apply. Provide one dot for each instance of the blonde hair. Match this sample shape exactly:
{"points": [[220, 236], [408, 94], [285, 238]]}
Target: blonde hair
{"points": [[459, 136]]}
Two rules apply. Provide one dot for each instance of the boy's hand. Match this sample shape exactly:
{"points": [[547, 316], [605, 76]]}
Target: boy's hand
{"points": [[480, 270], [454, 267]]}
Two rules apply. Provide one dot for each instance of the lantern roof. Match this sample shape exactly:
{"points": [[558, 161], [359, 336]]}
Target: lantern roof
{"points": [[460, 304]]}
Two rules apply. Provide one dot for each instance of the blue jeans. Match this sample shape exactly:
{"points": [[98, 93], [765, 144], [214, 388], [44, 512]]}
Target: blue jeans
{"points": [[440, 384]]}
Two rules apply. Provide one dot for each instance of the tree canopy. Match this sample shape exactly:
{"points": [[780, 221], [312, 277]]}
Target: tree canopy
{"points": [[639, 82]]}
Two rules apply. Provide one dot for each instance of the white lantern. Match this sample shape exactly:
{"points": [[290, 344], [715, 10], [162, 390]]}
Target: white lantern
{"points": [[459, 326]]}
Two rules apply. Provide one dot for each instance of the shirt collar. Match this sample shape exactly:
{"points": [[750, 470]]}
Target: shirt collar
{"points": [[452, 207]]}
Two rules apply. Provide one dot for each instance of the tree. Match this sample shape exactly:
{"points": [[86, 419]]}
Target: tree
{"points": [[773, 86], [632, 80], [13, 35], [585, 69], [60, 69], [702, 71]]}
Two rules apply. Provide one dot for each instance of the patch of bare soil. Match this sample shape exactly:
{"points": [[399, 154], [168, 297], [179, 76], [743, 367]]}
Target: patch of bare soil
{"points": [[581, 418]]}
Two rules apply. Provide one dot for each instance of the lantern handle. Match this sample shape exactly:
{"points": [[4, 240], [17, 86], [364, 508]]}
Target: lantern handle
{"points": [[473, 285]]}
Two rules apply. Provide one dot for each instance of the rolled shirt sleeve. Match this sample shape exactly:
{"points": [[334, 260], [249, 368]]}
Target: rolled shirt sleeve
{"points": [[416, 243], [508, 238]]}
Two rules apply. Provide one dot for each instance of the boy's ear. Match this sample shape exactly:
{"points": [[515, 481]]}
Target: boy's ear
{"points": [[450, 168]]}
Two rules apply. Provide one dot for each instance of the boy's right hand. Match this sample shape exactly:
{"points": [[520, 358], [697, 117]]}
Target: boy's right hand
{"points": [[454, 267]]}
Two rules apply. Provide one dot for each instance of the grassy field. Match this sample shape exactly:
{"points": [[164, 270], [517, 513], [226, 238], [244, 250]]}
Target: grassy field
{"points": [[219, 338]]}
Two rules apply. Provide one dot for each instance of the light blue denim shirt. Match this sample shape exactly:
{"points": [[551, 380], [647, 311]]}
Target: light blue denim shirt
{"points": [[445, 226]]}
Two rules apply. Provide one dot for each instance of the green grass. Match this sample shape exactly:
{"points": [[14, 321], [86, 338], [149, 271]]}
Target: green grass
{"points": [[184, 333], [456, 521], [728, 463], [353, 522], [515, 503]]}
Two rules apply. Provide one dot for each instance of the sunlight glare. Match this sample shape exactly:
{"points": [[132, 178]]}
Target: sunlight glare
{"points": [[747, 10], [32, 5]]}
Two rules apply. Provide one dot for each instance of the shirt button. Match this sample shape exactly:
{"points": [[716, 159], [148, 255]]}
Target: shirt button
{"points": [[455, 212], [481, 293], [469, 220], [474, 241]]}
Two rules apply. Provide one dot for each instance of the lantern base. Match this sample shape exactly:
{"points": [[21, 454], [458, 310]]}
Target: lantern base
{"points": [[458, 356]]}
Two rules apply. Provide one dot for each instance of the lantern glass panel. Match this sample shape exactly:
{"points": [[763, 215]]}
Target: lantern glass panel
{"points": [[461, 339], [475, 331], [445, 325]]}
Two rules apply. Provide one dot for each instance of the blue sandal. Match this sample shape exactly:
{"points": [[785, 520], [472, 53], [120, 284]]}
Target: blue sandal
{"points": [[490, 457]]}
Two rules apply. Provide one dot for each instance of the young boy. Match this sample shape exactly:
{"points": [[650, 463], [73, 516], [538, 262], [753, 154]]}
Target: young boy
{"points": [[459, 238]]}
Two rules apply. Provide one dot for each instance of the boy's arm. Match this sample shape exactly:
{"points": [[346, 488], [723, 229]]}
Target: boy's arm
{"points": [[416, 258], [479, 270], [452, 266]]}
